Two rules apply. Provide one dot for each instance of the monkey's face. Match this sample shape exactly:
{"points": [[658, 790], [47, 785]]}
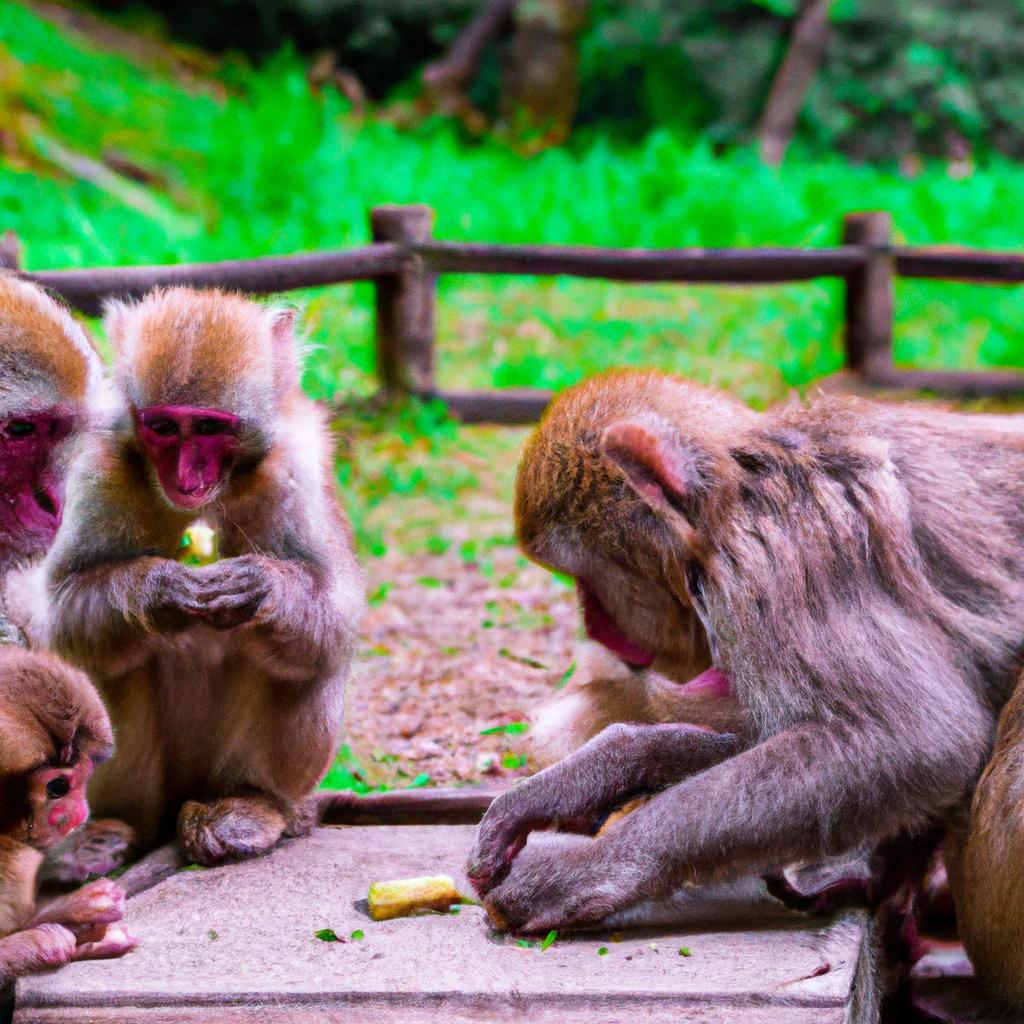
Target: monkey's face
{"points": [[191, 449], [56, 803], [31, 478]]}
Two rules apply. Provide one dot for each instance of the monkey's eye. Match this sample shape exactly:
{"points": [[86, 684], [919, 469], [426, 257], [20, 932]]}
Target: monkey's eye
{"points": [[58, 787], [163, 428], [211, 426], [20, 428]]}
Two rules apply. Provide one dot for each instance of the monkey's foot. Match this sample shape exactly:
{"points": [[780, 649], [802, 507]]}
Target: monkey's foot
{"points": [[93, 851], [231, 829], [303, 818]]}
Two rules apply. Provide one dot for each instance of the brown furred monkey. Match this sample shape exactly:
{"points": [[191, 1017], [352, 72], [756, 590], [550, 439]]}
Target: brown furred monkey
{"points": [[985, 861], [51, 385], [859, 572], [224, 682], [53, 731]]}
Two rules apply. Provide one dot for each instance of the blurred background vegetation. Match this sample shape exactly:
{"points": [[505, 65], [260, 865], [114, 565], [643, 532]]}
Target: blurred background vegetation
{"points": [[177, 132]]}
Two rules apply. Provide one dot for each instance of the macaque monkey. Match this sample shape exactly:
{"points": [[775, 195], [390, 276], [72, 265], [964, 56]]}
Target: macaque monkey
{"points": [[985, 861], [52, 390], [51, 384], [53, 732], [858, 571], [224, 681]]}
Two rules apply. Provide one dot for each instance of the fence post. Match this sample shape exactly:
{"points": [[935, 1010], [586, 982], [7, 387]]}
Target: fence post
{"points": [[10, 251], [869, 296], [406, 303]]}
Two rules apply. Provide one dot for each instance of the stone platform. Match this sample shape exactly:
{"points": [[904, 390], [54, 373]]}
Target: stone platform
{"points": [[238, 944]]}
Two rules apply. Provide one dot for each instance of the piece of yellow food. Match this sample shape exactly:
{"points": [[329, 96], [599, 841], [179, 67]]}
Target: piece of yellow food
{"points": [[198, 545], [406, 896]]}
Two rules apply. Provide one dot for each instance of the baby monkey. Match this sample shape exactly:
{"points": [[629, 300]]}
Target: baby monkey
{"points": [[225, 681], [53, 732]]}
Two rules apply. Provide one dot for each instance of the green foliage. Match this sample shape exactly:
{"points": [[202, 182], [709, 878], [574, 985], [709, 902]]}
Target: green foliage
{"points": [[270, 168]]}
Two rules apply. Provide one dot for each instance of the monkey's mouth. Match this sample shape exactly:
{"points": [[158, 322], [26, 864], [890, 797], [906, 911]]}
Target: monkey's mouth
{"points": [[601, 627]]}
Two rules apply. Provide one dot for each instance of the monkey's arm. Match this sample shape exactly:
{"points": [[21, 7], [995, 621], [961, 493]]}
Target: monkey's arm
{"points": [[803, 794], [623, 760], [36, 949]]}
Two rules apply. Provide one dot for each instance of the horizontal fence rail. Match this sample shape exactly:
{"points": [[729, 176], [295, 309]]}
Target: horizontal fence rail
{"points": [[405, 260]]}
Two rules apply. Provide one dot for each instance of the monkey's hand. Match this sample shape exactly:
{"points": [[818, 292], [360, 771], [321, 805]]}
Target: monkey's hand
{"points": [[115, 941], [36, 949], [622, 761], [232, 591], [564, 882], [170, 598], [98, 903]]}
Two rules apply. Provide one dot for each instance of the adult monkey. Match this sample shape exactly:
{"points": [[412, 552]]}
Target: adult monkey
{"points": [[859, 572], [224, 682], [53, 727]]}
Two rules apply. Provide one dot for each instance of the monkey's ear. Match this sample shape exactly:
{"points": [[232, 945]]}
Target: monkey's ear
{"points": [[287, 364], [115, 322], [659, 468]]}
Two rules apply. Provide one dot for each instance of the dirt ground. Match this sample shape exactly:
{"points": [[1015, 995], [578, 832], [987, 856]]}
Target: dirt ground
{"points": [[457, 641]]}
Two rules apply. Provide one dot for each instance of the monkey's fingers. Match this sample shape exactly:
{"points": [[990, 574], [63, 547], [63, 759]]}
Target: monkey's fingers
{"points": [[232, 610], [116, 942]]}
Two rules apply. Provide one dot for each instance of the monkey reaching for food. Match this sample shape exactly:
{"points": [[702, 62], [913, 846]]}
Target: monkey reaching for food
{"points": [[859, 573], [53, 731], [224, 682]]}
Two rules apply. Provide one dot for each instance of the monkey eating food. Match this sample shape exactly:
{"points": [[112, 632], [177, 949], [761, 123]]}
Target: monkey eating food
{"points": [[858, 573], [224, 681]]}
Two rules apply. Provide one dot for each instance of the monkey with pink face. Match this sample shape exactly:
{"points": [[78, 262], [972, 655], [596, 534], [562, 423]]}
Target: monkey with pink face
{"points": [[224, 682]]}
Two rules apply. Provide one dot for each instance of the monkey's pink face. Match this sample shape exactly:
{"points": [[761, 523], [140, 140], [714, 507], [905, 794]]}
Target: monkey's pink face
{"points": [[192, 450], [57, 803], [31, 487]]}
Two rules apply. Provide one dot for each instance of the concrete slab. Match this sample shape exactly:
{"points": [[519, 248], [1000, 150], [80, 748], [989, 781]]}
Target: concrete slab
{"points": [[238, 943]]}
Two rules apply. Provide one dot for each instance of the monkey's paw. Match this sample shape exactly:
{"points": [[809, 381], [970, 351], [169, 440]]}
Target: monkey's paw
{"points": [[115, 942], [232, 829], [564, 883], [99, 902], [97, 849], [232, 591]]}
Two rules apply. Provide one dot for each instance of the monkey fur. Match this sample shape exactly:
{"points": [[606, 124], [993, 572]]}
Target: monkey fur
{"points": [[53, 732], [858, 571], [225, 681]]}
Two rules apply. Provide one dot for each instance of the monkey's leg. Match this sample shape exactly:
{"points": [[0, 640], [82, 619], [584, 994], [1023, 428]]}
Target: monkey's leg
{"points": [[35, 949], [234, 828], [621, 761], [96, 849]]}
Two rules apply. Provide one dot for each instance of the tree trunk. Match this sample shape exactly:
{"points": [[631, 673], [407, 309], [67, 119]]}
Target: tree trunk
{"points": [[540, 73], [796, 72]]}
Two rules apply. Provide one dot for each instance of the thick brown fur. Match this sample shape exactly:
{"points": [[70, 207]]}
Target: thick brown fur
{"points": [[985, 861], [50, 716], [858, 570], [224, 682]]}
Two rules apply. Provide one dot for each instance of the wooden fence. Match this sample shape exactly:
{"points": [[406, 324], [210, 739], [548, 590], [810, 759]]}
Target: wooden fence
{"points": [[405, 260]]}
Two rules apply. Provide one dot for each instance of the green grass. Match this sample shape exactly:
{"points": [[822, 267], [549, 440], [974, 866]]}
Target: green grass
{"points": [[267, 167]]}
